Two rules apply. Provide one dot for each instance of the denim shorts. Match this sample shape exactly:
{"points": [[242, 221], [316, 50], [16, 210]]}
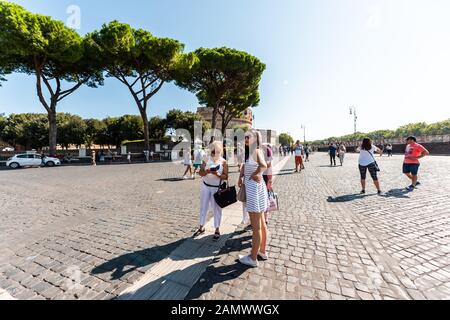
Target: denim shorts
{"points": [[411, 168]]}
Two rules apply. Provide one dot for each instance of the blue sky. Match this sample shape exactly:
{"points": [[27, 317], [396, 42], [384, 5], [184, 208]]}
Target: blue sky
{"points": [[389, 58]]}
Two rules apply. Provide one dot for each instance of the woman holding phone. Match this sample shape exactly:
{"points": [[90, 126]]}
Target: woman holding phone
{"points": [[213, 172], [257, 197]]}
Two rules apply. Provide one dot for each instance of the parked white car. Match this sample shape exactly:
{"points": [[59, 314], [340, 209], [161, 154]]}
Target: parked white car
{"points": [[31, 160]]}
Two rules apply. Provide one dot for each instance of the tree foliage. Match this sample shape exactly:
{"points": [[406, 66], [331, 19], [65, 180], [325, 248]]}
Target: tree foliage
{"points": [[29, 130], [38, 45], [139, 60], [223, 79], [286, 140], [416, 129], [71, 130]]}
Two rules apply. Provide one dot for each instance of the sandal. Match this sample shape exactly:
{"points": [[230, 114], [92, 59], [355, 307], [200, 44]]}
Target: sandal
{"points": [[199, 232], [216, 236]]}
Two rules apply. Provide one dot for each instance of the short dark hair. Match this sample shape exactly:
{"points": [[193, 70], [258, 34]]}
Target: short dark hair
{"points": [[412, 138]]}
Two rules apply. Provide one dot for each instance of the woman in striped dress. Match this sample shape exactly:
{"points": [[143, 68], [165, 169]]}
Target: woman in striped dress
{"points": [[257, 197]]}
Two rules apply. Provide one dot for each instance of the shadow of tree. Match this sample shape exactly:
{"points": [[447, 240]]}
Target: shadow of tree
{"points": [[124, 264], [177, 284]]}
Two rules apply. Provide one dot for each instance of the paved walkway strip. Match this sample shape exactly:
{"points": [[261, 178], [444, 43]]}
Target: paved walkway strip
{"points": [[4, 295]]}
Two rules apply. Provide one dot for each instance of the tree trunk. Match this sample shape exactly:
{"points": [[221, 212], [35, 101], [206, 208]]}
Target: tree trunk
{"points": [[52, 131], [146, 130], [214, 122]]}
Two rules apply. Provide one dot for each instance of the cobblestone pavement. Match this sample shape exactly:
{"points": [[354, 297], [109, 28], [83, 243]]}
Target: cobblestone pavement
{"points": [[328, 242], [90, 232]]}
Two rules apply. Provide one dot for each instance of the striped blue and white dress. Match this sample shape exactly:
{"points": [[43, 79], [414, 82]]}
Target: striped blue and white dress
{"points": [[257, 197]]}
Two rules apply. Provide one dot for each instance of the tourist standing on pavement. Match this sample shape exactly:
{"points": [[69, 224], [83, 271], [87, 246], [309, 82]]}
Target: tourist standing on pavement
{"points": [[213, 172], [257, 197], [199, 158], [382, 148], [389, 150], [94, 163], [414, 152], [129, 157], [332, 149], [367, 162], [298, 150], [342, 151], [187, 159], [307, 152]]}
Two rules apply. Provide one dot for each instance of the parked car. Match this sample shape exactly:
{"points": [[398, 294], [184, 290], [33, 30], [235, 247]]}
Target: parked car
{"points": [[31, 160]]}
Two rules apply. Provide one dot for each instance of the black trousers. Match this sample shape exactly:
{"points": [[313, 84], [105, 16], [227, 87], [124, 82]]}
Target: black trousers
{"points": [[333, 158]]}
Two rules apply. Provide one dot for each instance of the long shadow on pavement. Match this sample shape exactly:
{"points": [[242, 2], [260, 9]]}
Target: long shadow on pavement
{"points": [[216, 273], [124, 264], [173, 179], [135, 260], [397, 193], [349, 197], [157, 289]]}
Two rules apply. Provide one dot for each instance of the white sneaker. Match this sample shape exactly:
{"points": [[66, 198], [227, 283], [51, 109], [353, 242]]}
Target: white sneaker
{"points": [[193, 177], [263, 256], [248, 261], [184, 178]]}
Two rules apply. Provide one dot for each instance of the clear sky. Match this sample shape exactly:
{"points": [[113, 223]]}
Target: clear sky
{"points": [[389, 58]]}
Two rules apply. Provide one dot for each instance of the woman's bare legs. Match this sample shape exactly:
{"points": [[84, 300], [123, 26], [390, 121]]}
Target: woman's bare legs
{"points": [[263, 235], [255, 219]]}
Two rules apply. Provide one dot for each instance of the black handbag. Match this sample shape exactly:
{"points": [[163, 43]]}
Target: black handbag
{"points": [[226, 195]]}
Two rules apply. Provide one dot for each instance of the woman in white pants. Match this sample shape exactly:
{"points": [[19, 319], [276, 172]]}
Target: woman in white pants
{"points": [[213, 173]]}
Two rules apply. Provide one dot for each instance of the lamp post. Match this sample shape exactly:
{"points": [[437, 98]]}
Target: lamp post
{"points": [[355, 117], [304, 133]]}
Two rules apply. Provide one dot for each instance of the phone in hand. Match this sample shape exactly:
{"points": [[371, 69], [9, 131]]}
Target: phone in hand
{"points": [[214, 169]]}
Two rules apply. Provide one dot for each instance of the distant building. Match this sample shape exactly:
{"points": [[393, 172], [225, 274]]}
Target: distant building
{"points": [[269, 136], [245, 120]]}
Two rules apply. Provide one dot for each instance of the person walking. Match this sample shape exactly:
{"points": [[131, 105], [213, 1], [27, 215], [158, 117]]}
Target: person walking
{"points": [[298, 150], [42, 159], [389, 149], [257, 196], [307, 152], [332, 149], [342, 151], [213, 172], [93, 160], [414, 152], [367, 162], [129, 157], [187, 160], [199, 158]]}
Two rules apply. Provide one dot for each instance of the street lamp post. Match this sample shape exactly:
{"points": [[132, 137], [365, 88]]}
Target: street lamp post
{"points": [[304, 133], [355, 117]]}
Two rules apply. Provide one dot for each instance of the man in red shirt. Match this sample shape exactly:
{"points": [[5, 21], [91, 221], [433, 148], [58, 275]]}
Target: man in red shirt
{"points": [[414, 152]]}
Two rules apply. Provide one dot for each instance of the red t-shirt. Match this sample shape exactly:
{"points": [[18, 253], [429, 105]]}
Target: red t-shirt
{"points": [[413, 151]]}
